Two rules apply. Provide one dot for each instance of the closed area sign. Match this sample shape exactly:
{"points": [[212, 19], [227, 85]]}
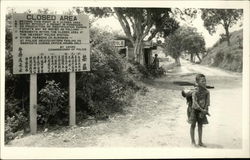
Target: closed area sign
{"points": [[50, 43]]}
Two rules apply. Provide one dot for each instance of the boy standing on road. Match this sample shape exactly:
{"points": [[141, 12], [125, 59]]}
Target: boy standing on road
{"points": [[199, 108]]}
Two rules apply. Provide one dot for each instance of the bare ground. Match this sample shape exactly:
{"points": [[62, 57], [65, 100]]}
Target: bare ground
{"points": [[158, 118]]}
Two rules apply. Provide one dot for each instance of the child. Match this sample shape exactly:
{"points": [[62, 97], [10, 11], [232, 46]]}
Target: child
{"points": [[199, 108]]}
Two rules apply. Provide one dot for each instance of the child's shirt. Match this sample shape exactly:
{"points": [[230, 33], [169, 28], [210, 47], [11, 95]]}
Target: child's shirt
{"points": [[202, 97]]}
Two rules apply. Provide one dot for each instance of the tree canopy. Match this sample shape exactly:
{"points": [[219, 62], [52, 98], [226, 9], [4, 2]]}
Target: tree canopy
{"points": [[139, 24], [225, 17], [185, 39]]}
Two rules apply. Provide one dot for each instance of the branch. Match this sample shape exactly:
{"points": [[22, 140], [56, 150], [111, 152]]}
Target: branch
{"points": [[147, 30], [157, 28], [148, 25], [133, 26], [153, 34], [122, 21], [138, 28]]}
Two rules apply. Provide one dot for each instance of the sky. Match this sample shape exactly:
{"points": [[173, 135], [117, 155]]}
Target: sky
{"points": [[112, 24]]}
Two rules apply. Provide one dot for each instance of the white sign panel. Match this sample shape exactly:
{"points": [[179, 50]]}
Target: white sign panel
{"points": [[119, 43], [50, 43]]}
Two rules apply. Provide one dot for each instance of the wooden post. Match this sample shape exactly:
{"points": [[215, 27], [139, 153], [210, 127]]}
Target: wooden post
{"points": [[33, 103], [72, 98]]}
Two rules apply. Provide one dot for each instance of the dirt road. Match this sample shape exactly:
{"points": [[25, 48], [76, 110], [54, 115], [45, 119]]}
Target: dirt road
{"points": [[158, 119]]}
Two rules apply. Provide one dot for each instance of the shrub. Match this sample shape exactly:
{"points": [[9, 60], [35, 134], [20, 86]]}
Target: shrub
{"points": [[138, 71], [219, 57], [141, 72], [223, 38], [156, 72], [106, 88], [52, 105], [14, 124]]}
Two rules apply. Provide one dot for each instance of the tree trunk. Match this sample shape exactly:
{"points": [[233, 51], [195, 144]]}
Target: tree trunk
{"points": [[138, 50], [177, 61], [192, 57], [197, 54], [227, 36]]}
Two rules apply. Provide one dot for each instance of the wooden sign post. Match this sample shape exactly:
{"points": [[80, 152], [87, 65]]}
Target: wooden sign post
{"points": [[33, 103], [72, 98], [44, 43]]}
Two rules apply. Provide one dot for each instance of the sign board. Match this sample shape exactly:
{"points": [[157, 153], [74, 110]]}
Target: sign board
{"points": [[119, 43], [50, 43], [147, 44]]}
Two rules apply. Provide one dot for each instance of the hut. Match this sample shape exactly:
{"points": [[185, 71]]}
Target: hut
{"points": [[126, 49]]}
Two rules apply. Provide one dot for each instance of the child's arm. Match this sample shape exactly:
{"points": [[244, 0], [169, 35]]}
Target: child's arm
{"points": [[194, 100], [197, 106], [207, 101]]}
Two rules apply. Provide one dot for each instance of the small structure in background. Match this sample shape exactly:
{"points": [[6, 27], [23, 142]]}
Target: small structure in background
{"points": [[126, 50], [147, 50], [122, 47]]}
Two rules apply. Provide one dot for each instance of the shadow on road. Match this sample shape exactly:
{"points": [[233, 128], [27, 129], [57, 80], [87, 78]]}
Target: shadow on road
{"points": [[162, 83], [209, 145]]}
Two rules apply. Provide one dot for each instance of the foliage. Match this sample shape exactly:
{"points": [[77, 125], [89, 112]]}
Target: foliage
{"points": [[185, 14], [227, 57], [137, 23], [52, 106], [141, 72], [107, 87], [225, 17], [173, 44], [16, 88], [185, 39], [13, 124], [157, 72], [192, 41]]}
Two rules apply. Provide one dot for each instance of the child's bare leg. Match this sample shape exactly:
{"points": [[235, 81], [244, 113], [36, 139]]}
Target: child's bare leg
{"points": [[200, 134], [192, 128]]}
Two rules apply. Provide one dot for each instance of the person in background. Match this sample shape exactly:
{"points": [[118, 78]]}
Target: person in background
{"points": [[156, 62]]}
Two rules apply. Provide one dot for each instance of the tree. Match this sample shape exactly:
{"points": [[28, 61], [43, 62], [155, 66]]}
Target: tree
{"points": [[225, 17], [185, 39], [139, 24], [193, 42], [173, 46]]}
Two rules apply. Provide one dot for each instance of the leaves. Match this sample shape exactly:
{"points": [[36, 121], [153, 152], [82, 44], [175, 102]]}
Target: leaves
{"points": [[52, 103], [138, 24], [104, 89], [225, 17], [185, 39]]}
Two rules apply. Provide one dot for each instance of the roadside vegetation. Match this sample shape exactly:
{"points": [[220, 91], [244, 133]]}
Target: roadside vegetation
{"points": [[226, 57]]}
